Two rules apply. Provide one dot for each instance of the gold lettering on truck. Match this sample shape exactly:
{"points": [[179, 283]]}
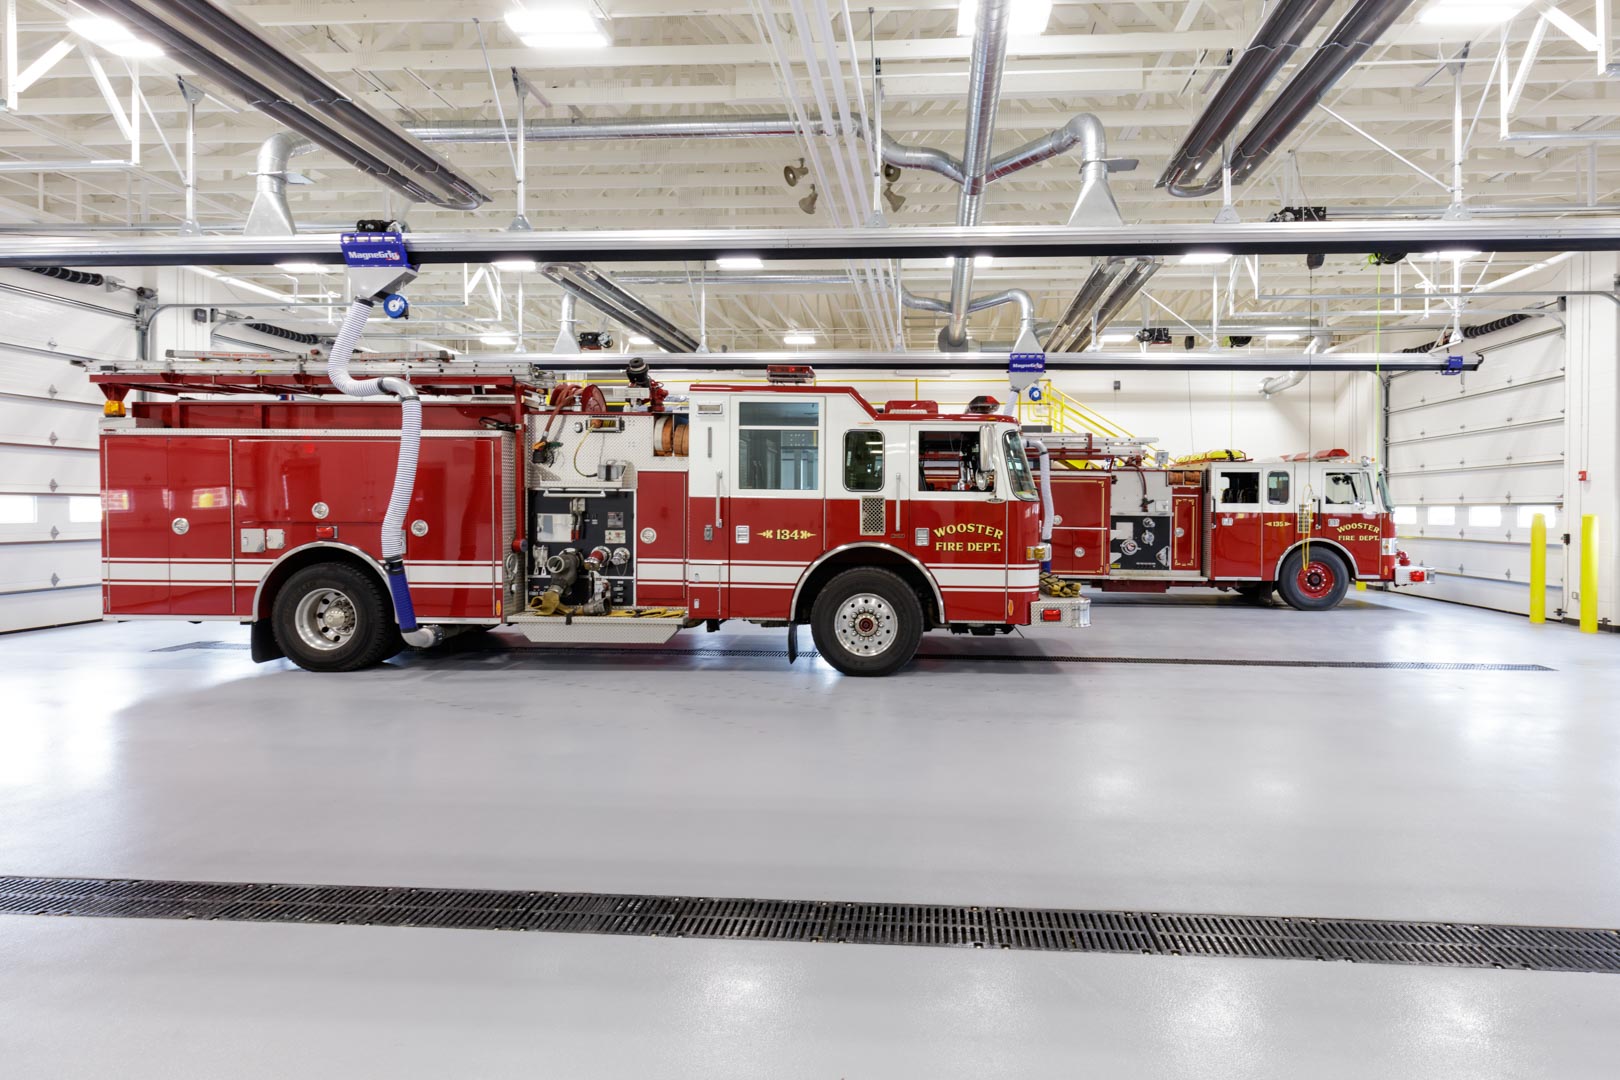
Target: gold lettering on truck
{"points": [[975, 536]]}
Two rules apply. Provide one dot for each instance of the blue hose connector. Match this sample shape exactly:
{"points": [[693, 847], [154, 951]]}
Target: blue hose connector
{"points": [[404, 611]]}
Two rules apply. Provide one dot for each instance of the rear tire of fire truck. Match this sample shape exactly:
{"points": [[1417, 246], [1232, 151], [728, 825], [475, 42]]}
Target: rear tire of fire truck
{"points": [[335, 617], [1316, 585], [867, 622]]}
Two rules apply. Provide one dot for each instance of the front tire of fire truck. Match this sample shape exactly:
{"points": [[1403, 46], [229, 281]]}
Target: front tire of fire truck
{"points": [[334, 617], [1316, 584], [867, 622]]}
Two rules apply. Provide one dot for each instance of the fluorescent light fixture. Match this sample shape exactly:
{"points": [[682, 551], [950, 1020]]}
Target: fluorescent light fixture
{"points": [[640, 339], [1206, 258], [739, 262], [983, 260], [558, 26], [1117, 336], [1026, 17], [113, 36], [518, 265], [798, 337], [497, 339], [1471, 12], [1449, 256], [1286, 336], [300, 267], [1532, 269]]}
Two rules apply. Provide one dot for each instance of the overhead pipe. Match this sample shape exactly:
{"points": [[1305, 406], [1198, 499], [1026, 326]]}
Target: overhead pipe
{"points": [[270, 215], [1123, 291], [1278, 383], [1346, 43], [985, 65], [600, 291], [1280, 34], [1025, 302], [212, 42]]}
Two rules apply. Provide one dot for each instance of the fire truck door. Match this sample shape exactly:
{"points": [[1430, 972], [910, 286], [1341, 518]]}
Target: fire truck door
{"points": [[708, 553], [1238, 522], [136, 524], [958, 531], [201, 552]]}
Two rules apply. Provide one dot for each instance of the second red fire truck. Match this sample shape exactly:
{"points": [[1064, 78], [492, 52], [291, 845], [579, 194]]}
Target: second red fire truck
{"points": [[1305, 527]]}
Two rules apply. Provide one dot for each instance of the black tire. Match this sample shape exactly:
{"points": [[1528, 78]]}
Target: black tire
{"points": [[1317, 585], [334, 617], [1259, 592], [878, 636]]}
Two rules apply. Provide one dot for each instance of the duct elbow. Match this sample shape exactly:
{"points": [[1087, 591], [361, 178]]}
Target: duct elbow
{"points": [[1278, 383]]}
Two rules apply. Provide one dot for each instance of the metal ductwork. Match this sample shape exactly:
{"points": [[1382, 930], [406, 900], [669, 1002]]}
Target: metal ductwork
{"points": [[607, 296], [212, 42], [270, 214], [1281, 34], [985, 66], [1025, 302], [1278, 383]]}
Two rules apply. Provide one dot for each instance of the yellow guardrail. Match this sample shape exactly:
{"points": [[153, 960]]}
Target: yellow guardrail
{"points": [[1066, 413]]}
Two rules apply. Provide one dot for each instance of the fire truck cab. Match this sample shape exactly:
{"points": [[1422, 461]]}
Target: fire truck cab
{"points": [[547, 508], [1304, 526]]}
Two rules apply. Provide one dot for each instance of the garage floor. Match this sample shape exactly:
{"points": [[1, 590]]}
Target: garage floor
{"points": [[158, 750]]}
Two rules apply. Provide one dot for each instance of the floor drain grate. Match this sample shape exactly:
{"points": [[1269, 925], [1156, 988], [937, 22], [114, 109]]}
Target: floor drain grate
{"points": [[1367, 941]]}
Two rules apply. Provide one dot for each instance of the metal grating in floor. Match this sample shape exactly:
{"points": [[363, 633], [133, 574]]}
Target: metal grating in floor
{"points": [[496, 652], [1366, 941]]}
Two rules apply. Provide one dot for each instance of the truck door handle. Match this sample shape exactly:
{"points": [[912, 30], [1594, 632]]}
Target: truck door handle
{"points": [[719, 481]]}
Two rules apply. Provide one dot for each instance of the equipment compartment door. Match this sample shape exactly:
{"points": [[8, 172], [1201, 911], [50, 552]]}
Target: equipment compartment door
{"points": [[202, 554], [1080, 531], [1238, 522], [1187, 538], [135, 525], [958, 530]]}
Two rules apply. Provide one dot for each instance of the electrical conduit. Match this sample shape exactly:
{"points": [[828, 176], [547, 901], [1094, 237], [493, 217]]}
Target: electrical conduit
{"points": [[410, 443]]}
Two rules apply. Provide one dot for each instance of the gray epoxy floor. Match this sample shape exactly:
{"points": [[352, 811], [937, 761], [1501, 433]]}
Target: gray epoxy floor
{"points": [[1469, 795]]}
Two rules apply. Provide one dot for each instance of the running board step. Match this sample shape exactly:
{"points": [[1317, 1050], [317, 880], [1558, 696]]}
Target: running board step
{"points": [[629, 628]]}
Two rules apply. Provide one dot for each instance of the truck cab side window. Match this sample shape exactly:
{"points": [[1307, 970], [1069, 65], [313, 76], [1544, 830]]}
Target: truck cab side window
{"points": [[1346, 488], [1239, 488], [948, 461], [778, 445], [863, 460], [1277, 489]]}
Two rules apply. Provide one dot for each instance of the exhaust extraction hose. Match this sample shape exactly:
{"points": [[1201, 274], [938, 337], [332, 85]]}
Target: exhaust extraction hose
{"points": [[410, 442]]}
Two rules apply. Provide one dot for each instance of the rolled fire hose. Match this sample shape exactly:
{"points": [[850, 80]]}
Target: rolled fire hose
{"points": [[410, 442]]}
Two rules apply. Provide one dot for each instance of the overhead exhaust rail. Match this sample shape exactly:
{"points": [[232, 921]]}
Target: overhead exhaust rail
{"points": [[1281, 34], [209, 41], [186, 373], [923, 242]]}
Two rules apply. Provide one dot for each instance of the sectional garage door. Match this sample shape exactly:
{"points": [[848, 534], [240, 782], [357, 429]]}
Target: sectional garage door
{"points": [[50, 507], [1472, 457]]}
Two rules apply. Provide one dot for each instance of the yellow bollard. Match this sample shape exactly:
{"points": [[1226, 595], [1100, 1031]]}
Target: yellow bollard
{"points": [[1538, 569], [1589, 574]]}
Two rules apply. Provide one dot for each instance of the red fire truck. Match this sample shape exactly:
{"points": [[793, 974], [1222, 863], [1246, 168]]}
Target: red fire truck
{"points": [[1303, 526], [239, 489]]}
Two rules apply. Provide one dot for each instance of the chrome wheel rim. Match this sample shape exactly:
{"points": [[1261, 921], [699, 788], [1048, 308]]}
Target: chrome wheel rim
{"points": [[326, 619], [866, 625]]}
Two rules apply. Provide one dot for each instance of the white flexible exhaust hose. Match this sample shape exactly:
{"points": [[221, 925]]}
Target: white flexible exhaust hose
{"points": [[410, 443], [1046, 502]]}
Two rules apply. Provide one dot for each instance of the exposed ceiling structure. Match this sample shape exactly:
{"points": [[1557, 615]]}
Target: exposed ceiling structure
{"points": [[1380, 143]]}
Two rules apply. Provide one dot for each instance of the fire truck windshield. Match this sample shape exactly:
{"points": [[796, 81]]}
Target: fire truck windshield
{"points": [[1018, 472]]}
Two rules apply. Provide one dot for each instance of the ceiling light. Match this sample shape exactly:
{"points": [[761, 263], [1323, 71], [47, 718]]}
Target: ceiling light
{"points": [[1117, 337], [1471, 12], [1026, 17], [514, 265], [301, 267], [558, 26], [497, 339], [739, 262], [1282, 337], [798, 337], [640, 339], [983, 260], [1205, 258], [115, 37], [1458, 255]]}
